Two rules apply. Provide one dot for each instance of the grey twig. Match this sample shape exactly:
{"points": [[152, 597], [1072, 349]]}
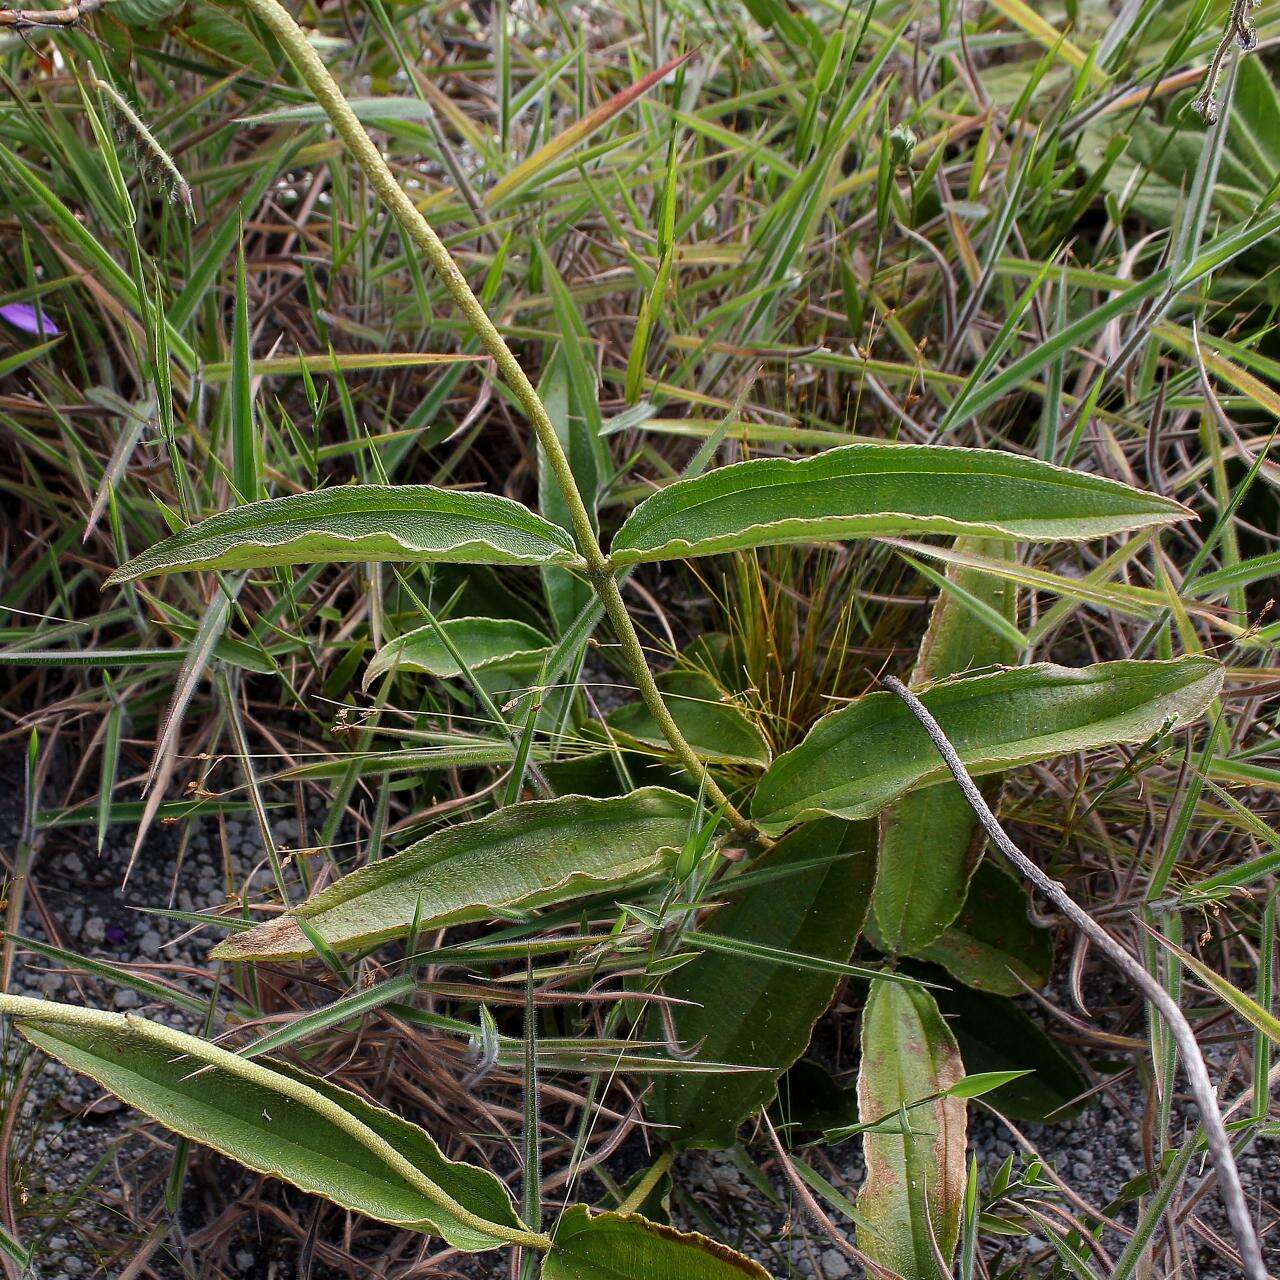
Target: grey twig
{"points": [[1192, 1059]]}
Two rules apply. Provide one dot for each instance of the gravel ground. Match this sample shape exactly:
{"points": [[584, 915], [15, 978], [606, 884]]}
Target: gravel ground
{"points": [[76, 1137]]}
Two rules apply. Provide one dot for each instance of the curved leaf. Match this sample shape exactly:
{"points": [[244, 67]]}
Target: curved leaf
{"points": [[992, 943], [717, 730], [870, 490], [486, 644], [625, 1246], [931, 840], [857, 760], [359, 523], [521, 857], [914, 1190], [277, 1121], [759, 1014]]}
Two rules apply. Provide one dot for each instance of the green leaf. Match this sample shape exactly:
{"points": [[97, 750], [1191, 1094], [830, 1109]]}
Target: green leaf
{"points": [[992, 942], [1245, 1005], [931, 840], [1150, 177], [914, 1189], [277, 1121], [522, 857], [563, 393], [717, 730], [870, 490], [979, 1084], [995, 1034], [752, 1012], [859, 759], [617, 1246], [486, 644], [359, 523]]}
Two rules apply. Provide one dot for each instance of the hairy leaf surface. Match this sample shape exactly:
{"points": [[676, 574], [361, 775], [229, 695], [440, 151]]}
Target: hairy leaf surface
{"points": [[915, 1182], [864, 756], [521, 857], [278, 1121], [359, 523], [755, 1013], [870, 490]]}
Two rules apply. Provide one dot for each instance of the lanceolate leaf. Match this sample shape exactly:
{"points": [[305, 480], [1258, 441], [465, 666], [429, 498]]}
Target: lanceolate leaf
{"points": [[359, 523], [995, 1034], [755, 1013], [618, 1246], [717, 730], [914, 1189], [992, 944], [486, 644], [521, 857], [930, 841], [278, 1121], [870, 490], [857, 760]]}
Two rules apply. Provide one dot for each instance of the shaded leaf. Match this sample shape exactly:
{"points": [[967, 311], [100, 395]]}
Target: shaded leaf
{"points": [[568, 595], [914, 1189], [862, 757], [486, 644], [931, 840], [993, 942], [869, 490], [616, 1246], [277, 1121], [717, 730], [359, 523], [995, 1034], [521, 857], [756, 1013]]}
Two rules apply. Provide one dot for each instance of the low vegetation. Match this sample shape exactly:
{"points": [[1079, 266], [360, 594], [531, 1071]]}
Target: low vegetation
{"points": [[741, 540]]}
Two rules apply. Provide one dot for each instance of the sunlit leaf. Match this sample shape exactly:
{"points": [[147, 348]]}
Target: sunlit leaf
{"points": [[359, 523], [521, 857], [862, 757], [869, 490]]}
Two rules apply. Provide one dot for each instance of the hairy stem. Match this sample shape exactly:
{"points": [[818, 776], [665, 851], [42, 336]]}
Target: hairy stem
{"points": [[330, 97], [1192, 1059]]}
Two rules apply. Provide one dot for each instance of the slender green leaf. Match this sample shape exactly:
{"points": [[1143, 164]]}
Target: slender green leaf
{"points": [[930, 841], [915, 1184], [616, 1246], [486, 644]]}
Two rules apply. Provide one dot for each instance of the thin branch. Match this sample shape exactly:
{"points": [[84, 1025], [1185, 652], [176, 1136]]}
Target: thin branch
{"points": [[1192, 1059]]}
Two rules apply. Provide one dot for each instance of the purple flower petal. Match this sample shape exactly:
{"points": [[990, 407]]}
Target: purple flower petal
{"points": [[28, 318]]}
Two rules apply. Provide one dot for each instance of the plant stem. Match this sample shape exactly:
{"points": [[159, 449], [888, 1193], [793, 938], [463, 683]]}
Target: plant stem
{"points": [[1192, 1059], [330, 97]]}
